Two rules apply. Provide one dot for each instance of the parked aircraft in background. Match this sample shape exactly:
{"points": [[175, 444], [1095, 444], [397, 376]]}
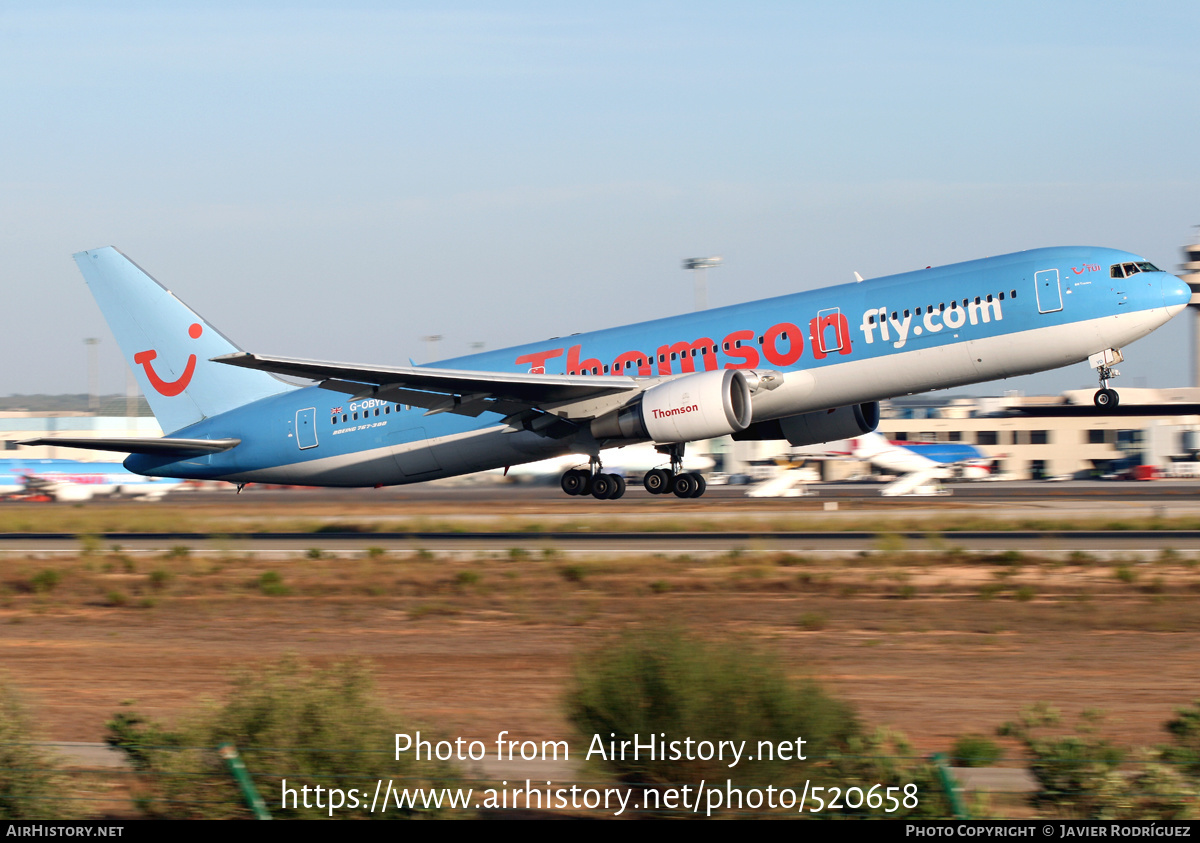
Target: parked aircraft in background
{"points": [[807, 367], [907, 457], [71, 480], [920, 465]]}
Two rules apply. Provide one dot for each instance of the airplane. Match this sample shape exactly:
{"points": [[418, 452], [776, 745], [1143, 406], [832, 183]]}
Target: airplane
{"points": [[907, 457], [806, 367], [72, 480], [919, 464]]}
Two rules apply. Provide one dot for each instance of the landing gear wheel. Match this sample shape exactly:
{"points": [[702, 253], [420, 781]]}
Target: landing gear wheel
{"points": [[1106, 399], [701, 485], [684, 485], [602, 486], [658, 481], [618, 487], [576, 482]]}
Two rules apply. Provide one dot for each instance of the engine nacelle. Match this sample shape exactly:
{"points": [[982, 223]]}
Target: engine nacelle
{"points": [[821, 426], [700, 406]]}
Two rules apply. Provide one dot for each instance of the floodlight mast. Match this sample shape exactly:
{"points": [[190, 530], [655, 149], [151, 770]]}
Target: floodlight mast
{"points": [[431, 343], [698, 266]]}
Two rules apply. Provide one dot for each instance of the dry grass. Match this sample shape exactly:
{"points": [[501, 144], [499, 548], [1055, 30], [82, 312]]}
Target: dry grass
{"points": [[214, 516], [67, 582]]}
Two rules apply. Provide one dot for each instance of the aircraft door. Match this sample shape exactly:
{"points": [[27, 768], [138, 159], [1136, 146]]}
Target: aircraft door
{"points": [[828, 319], [306, 428], [1049, 293]]}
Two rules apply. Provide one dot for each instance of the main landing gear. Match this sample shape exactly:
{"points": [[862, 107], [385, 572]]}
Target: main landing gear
{"points": [[1106, 398], [683, 484], [592, 481]]}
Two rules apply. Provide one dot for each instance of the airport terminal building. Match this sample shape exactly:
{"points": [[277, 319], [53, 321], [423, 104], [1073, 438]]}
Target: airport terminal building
{"points": [[1061, 436], [16, 425]]}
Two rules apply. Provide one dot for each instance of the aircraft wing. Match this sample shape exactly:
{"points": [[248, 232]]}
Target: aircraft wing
{"points": [[465, 392], [163, 446]]}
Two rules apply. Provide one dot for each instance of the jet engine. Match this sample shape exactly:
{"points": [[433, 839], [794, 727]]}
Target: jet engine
{"points": [[814, 428], [698, 406]]}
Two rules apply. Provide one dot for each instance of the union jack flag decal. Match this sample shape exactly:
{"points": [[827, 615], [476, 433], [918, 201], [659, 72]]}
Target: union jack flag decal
{"points": [[335, 411]]}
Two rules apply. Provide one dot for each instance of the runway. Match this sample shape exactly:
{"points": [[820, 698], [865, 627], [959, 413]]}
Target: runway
{"points": [[1104, 519], [485, 489], [1099, 543]]}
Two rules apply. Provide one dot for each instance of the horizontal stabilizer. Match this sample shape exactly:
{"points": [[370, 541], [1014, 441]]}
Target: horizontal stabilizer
{"points": [[158, 447]]}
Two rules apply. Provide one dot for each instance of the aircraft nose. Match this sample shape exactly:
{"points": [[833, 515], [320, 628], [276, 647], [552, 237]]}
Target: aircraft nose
{"points": [[1176, 293]]}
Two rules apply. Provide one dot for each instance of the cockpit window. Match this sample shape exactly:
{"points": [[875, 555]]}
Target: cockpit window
{"points": [[1125, 270]]}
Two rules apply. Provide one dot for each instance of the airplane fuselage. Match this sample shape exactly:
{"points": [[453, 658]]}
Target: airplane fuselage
{"points": [[76, 480], [854, 343]]}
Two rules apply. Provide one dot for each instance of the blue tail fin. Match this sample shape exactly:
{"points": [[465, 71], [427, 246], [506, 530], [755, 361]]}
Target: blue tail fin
{"points": [[168, 345]]}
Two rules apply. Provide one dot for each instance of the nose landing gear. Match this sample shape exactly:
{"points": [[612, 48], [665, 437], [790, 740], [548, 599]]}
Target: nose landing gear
{"points": [[1103, 362]]}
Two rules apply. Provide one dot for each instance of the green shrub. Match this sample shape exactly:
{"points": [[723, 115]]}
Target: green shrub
{"points": [[30, 786], [466, 577], [306, 725], [812, 621], [271, 584], [659, 681], [1185, 732], [44, 581], [975, 751], [572, 573], [1082, 776], [885, 756]]}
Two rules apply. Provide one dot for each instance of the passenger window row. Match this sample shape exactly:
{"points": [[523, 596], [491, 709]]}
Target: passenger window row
{"points": [[941, 306], [366, 414]]}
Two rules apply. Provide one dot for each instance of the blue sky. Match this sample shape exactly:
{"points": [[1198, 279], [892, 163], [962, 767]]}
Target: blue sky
{"points": [[336, 181]]}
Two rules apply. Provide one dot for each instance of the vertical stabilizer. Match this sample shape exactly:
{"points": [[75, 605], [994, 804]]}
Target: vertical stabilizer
{"points": [[169, 345]]}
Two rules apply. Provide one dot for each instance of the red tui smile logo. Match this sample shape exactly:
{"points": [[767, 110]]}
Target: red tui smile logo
{"points": [[170, 388]]}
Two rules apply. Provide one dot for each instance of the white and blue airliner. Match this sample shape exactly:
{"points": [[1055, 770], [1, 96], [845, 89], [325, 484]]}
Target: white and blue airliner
{"points": [[808, 367]]}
